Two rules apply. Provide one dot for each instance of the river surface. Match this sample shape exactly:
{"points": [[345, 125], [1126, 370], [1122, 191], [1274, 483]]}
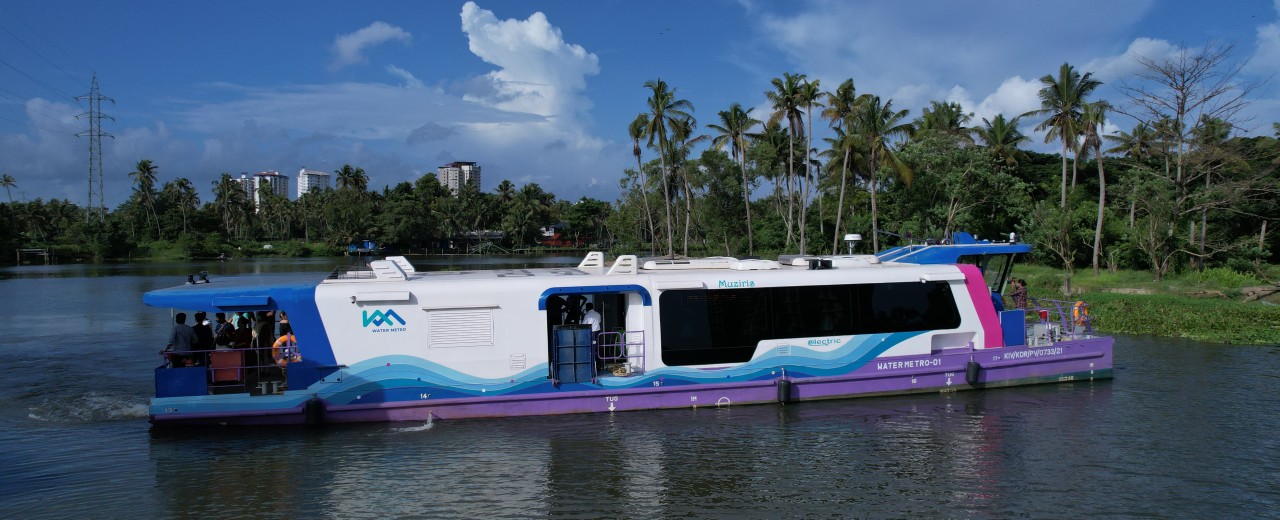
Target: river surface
{"points": [[1185, 430]]}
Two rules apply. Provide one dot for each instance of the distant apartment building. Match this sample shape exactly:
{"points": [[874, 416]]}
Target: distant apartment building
{"points": [[311, 180], [269, 182], [455, 174]]}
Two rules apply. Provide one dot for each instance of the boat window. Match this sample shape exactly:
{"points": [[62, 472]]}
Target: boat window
{"points": [[702, 327]]}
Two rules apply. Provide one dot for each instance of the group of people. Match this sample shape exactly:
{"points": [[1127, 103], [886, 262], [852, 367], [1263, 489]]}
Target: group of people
{"points": [[189, 345]]}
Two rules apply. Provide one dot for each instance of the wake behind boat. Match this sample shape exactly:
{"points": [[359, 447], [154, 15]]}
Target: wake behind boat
{"points": [[389, 343]]}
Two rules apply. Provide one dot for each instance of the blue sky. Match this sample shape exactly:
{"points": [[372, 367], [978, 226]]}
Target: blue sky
{"points": [[534, 92]]}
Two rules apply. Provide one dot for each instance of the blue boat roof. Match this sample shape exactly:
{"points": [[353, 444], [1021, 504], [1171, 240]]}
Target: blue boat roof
{"points": [[962, 244], [257, 292]]}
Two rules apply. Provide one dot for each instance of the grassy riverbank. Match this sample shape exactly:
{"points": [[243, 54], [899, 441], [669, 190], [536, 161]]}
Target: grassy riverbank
{"points": [[1207, 306]]}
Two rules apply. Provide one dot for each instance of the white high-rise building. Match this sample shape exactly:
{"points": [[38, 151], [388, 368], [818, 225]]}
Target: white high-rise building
{"points": [[455, 174], [311, 180], [271, 181], [246, 184]]}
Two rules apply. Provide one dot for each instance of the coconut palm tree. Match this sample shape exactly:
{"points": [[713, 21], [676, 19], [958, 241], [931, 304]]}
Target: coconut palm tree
{"points": [[230, 199], [840, 105], [144, 178], [1094, 116], [846, 148], [9, 183], [184, 194], [786, 103], [682, 143], [636, 130], [947, 118], [664, 110], [1001, 137], [1137, 146], [809, 95], [876, 124], [734, 128], [1062, 99], [352, 178]]}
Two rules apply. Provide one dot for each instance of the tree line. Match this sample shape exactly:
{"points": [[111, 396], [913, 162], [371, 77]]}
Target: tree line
{"points": [[170, 218], [1182, 189]]}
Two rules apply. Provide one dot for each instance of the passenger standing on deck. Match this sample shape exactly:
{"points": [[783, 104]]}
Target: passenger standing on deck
{"points": [[204, 337], [244, 333], [181, 342], [592, 318], [1019, 294], [223, 330], [264, 334]]}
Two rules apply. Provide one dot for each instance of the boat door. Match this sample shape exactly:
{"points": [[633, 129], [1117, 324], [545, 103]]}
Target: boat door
{"points": [[617, 342]]}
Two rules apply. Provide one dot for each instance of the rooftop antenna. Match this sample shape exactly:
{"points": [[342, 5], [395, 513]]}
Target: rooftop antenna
{"points": [[97, 209]]}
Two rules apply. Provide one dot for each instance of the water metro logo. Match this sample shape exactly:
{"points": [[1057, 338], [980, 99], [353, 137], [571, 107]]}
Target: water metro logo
{"points": [[379, 318]]}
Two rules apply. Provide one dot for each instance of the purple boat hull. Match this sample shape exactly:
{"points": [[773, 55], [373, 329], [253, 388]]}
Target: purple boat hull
{"points": [[1084, 359]]}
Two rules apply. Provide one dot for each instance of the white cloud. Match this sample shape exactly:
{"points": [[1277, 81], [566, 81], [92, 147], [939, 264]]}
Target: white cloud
{"points": [[1111, 69], [1014, 97], [1266, 58], [348, 49], [539, 73], [409, 80]]}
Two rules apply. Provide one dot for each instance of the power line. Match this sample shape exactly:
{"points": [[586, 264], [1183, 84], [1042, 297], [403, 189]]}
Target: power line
{"points": [[33, 78], [51, 43], [42, 56], [21, 99]]}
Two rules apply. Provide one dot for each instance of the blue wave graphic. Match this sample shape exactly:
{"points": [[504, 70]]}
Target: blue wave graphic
{"points": [[401, 378]]}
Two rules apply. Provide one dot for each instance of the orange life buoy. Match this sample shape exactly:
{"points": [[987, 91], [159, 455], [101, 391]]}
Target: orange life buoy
{"points": [[285, 350], [1080, 311]]}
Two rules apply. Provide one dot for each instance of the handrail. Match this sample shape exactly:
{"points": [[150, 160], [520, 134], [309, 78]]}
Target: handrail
{"points": [[256, 368], [1060, 319], [624, 346]]}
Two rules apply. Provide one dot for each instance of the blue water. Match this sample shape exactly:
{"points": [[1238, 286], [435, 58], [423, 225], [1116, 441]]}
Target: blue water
{"points": [[1186, 429]]}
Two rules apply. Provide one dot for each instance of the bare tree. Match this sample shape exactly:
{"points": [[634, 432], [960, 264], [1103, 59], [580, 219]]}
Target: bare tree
{"points": [[1182, 94]]}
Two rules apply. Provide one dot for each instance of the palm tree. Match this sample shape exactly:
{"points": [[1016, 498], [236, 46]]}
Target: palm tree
{"points": [[9, 183], [229, 198], [1062, 99], [785, 100], [664, 110], [877, 125], [144, 176], [1137, 146], [735, 125], [1093, 117], [846, 148], [840, 105], [809, 95], [1001, 137], [682, 142], [184, 194], [947, 118], [352, 178], [637, 131]]}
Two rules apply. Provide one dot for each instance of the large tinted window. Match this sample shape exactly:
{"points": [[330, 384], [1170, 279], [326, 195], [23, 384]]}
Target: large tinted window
{"points": [[701, 327]]}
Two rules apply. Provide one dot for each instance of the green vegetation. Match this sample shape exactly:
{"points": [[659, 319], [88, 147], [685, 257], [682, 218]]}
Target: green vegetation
{"points": [[1204, 305]]}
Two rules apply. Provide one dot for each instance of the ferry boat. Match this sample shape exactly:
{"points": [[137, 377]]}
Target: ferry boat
{"points": [[386, 342]]}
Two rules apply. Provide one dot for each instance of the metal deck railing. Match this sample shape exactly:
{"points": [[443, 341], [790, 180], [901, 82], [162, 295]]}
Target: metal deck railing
{"points": [[1050, 321], [234, 370], [625, 347]]}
